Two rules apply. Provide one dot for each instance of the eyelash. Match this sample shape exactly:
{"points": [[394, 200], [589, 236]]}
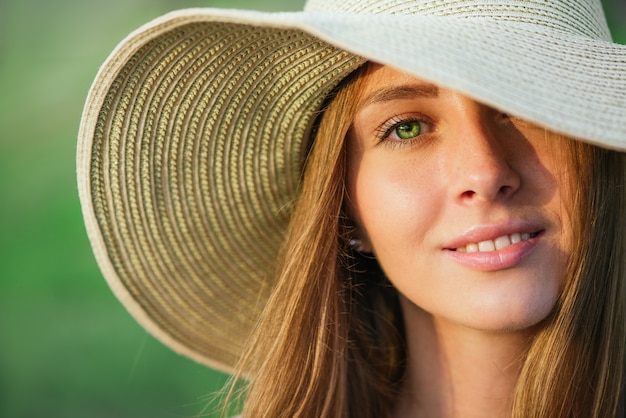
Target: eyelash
{"points": [[387, 128]]}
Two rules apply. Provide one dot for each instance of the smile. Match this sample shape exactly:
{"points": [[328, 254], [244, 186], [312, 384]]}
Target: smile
{"points": [[496, 244]]}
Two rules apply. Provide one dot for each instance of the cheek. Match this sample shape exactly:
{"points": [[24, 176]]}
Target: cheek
{"points": [[563, 204], [392, 206]]}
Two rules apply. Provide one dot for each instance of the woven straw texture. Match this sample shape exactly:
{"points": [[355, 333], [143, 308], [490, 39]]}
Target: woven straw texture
{"points": [[185, 221], [196, 128]]}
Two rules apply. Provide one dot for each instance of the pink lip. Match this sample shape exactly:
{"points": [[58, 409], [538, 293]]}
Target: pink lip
{"points": [[499, 259]]}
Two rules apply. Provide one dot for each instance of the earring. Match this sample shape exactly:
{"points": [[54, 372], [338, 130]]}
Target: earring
{"points": [[356, 244]]}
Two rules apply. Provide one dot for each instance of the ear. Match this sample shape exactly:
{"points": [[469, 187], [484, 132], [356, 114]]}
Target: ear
{"points": [[360, 242], [357, 237]]}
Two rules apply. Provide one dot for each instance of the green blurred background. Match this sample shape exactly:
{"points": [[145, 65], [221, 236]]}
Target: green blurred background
{"points": [[67, 347]]}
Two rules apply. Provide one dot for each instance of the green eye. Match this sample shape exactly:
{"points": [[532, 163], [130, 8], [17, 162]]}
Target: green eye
{"points": [[408, 130]]}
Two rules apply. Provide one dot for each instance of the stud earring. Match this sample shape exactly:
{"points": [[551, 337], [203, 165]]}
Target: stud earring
{"points": [[356, 244]]}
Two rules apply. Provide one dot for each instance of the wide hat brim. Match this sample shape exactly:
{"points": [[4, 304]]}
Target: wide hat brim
{"points": [[196, 128]]}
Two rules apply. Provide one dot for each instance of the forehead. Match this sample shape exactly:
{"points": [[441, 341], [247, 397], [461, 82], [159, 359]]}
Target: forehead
{"points": [[381, 83], [376, 71], [376, 75]]}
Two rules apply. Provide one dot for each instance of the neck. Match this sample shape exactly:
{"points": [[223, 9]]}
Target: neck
{"points": [[455, 372]]}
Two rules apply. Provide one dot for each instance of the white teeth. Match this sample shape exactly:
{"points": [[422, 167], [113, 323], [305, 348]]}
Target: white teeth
{"points": [[502, 242], [493, 245], [484, 246], [471, 248]]}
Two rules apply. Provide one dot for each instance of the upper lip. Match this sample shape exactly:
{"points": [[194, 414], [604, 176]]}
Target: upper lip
{"points": [[478, 233]]}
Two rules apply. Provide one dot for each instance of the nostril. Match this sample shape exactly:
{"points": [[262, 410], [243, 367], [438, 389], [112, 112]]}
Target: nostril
{"points": [[504, 190], [468, 194]]}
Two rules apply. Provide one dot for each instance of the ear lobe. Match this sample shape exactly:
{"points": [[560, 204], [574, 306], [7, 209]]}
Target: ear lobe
{"points": [[357, 239], [359, 244]]}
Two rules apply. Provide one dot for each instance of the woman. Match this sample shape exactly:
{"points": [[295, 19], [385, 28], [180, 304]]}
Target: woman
{"points": [[372, 208]]}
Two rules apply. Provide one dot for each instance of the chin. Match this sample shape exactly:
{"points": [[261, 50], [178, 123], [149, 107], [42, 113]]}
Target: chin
{"points": [[512, 317]]}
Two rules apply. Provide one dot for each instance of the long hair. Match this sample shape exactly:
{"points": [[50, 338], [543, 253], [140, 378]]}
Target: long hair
{"points": [[330, 341], [575, 367]]}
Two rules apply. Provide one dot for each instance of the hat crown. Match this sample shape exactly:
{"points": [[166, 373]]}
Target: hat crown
{"points": [[582, 17]]}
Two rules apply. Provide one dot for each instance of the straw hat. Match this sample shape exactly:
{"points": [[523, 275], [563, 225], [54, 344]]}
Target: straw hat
{"points": [[195, 129]]}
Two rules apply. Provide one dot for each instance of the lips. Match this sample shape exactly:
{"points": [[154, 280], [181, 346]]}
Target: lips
{"points": [[498, 243], [495, 247]]}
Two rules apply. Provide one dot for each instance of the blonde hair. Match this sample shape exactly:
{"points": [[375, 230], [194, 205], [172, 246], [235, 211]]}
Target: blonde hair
{"points": [[575, 367], [330, 341]]}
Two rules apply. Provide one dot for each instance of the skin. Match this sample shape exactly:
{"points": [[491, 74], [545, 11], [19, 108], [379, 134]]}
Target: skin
{"points": [[430, 171]]}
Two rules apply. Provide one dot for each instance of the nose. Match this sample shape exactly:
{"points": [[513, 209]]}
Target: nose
{"points": [[484, 154]]}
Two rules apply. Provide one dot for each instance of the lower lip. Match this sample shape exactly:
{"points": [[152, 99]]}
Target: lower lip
{"points": [[504, 258]]}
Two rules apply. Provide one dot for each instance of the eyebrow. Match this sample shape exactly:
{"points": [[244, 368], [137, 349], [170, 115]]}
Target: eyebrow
{"points": [[410, 91]]}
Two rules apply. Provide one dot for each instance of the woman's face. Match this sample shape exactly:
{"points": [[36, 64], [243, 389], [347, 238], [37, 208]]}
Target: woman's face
{"points": [[464, 207]]}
